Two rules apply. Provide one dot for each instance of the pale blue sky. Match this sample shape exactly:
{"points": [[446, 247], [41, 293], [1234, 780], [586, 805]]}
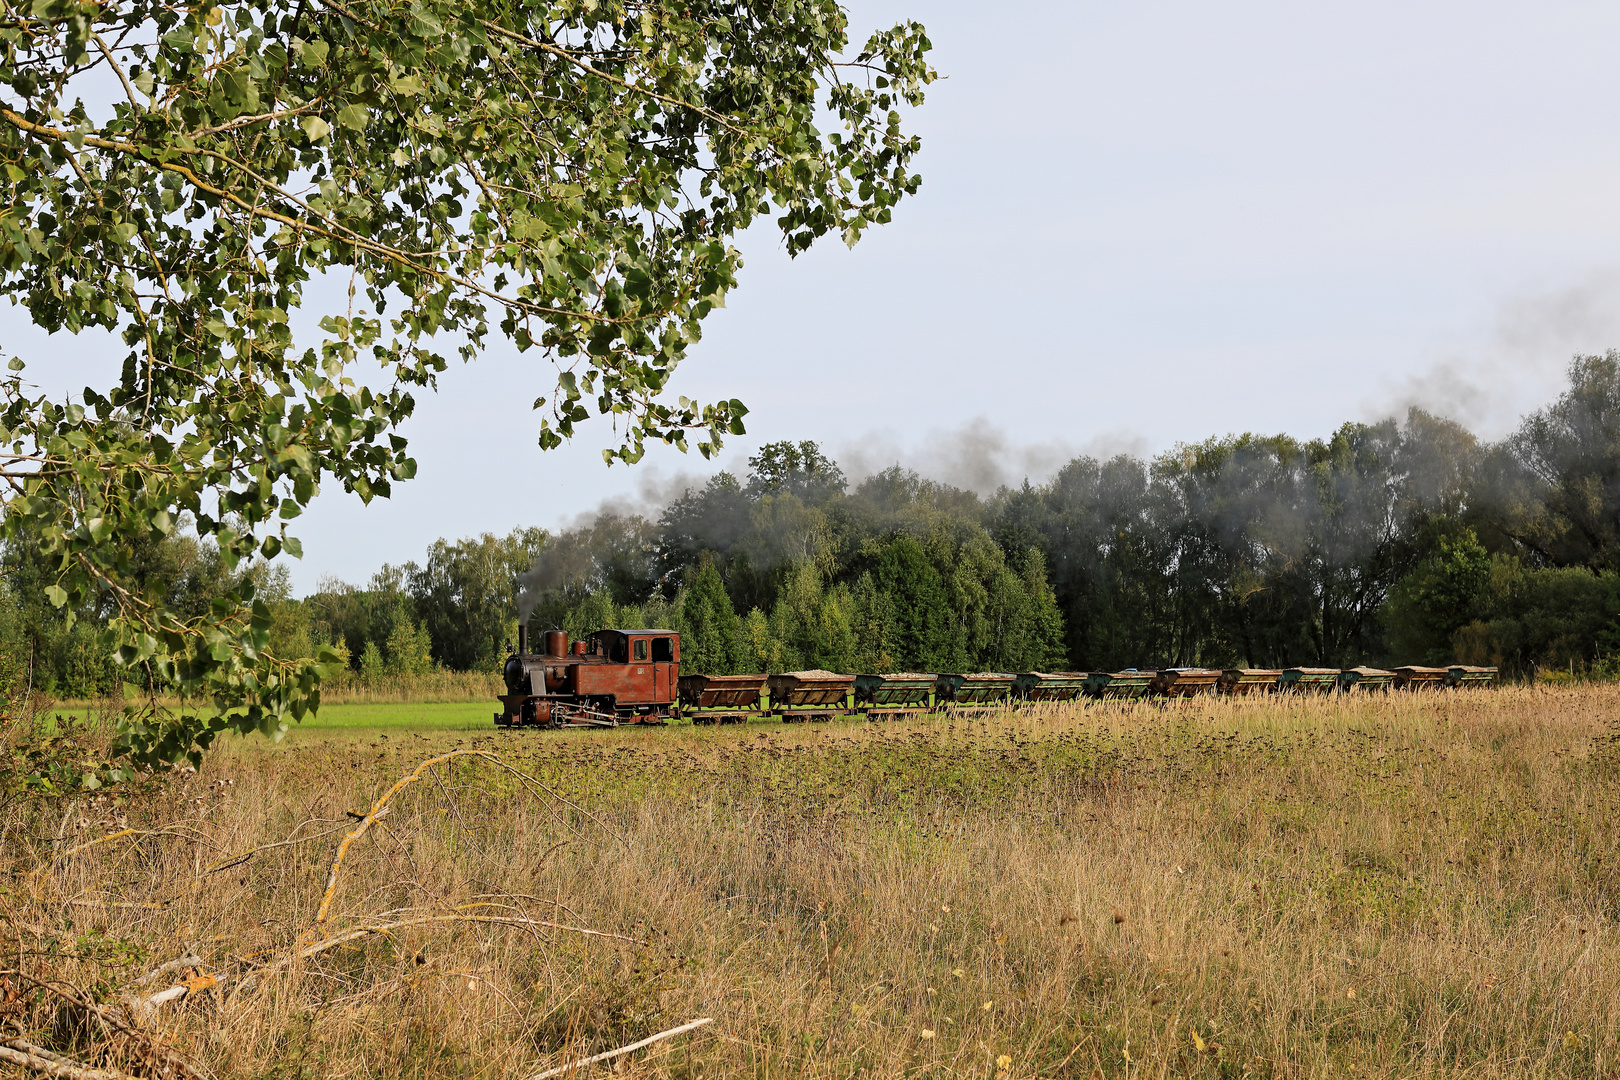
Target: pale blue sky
{"points": [[1139, 224]]}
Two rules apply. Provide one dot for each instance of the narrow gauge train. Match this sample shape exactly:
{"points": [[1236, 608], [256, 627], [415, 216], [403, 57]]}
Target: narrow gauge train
{"points": [[633, 676]]}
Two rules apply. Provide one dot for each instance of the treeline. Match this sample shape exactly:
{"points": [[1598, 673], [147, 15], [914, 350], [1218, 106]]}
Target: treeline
{"points": [[1402, 541], [791, 569]]}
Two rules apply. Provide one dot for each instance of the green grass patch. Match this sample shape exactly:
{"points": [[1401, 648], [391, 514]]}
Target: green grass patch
{"points": [[439, 716]]}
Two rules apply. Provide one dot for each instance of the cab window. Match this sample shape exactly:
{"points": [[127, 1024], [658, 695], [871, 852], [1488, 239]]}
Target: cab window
{"points": [[663, 650], [612, 646], [641, 649]]}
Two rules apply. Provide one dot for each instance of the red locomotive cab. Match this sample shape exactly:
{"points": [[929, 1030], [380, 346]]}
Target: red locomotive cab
{"points": [[637, 669]]}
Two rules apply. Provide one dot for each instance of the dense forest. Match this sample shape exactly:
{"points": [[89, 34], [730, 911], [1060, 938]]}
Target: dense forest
{"points": [[1402, 541]]}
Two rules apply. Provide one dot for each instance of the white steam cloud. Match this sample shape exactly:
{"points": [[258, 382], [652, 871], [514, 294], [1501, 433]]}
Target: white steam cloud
{"points": [[979, 456], [1522, 364]]}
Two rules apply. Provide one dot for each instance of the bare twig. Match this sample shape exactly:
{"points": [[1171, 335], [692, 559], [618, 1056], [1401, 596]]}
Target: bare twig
{"points": [[237, 860], [129, 91], [138, 905], [246, 982], [621, 1051], [425, 920]]}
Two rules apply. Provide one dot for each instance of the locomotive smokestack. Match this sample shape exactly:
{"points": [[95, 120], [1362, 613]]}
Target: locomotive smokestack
{"points": [[523, 638]]}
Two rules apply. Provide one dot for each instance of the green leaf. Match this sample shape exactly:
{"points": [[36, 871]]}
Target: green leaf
{"points": [[316, 128], [354, 117]]}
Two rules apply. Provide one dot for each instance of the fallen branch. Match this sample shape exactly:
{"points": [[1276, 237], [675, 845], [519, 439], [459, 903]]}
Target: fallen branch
{"points": [[190, 960], [141, 905], [37, 1058], [113, 1017], [144, 1006], [621, 1051], [378, 809]]}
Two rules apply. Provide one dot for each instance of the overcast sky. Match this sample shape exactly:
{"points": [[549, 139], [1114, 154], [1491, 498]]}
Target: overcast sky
{"points": [[1139, 224]]}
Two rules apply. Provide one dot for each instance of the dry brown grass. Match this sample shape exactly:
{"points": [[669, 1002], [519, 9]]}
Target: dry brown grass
{"points": [[1382, 886]]}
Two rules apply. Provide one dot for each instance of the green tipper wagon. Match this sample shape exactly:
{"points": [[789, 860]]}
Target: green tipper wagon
{"points": [[985, 690], [1241, 682], [1462, 676], [1309, 680], [885, 697], [1040, 686], [1119, 685], [1366, 678]]}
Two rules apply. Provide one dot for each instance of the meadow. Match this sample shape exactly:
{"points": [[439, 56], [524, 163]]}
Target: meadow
{"points": [[1383, 886]]}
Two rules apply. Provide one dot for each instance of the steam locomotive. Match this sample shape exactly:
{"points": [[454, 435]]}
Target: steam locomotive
{"points": [[634, 676], [610, 678]]}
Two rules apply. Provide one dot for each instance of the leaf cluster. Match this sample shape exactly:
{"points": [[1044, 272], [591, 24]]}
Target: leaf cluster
{"points": [[566, 174]]}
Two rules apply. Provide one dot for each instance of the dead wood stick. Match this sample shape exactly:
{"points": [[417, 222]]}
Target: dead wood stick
{"points": [[378, 809], [190, 960], [36, 1058], [110, 1016], [621, 1051], [141, 1008], [141, 905]]}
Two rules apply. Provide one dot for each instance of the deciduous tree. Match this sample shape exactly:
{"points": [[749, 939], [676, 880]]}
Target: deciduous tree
{"points": [[564, 174]]}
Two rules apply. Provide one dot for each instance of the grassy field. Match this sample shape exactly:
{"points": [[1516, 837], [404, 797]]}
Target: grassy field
{"points": [[1369, 886]]}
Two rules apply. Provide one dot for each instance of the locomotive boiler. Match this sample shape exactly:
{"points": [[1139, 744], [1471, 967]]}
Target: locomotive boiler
{"points": [[612, 677]]}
